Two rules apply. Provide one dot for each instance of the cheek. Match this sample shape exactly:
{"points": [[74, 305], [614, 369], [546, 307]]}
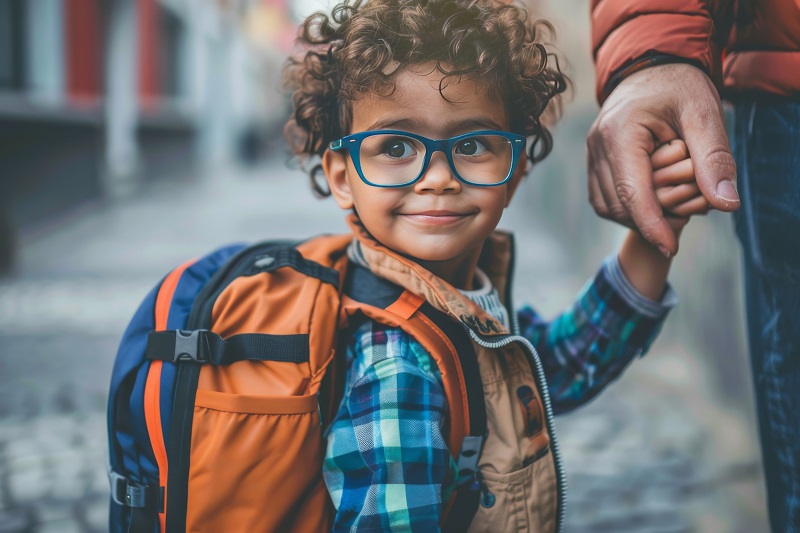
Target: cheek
{"points": [[359, 192], [494, 202], [375, 198], [374, 206]]}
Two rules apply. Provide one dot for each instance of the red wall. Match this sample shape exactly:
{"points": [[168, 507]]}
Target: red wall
{"points": [[84, 51], [148, 57]]}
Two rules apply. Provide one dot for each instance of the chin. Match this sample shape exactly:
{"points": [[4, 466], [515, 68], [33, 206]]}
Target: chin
{"points": [[431, 256]]}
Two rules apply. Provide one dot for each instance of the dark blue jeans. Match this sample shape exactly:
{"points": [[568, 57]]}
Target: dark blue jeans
{"points": [[766, 146]]}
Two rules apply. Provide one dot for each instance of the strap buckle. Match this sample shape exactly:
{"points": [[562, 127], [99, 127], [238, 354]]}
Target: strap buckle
{"points": [[468, 459], [126, 492], [191, 346]]}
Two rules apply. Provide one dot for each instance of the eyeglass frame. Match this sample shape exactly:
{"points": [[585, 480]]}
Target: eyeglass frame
{"points": [[352, 143]]}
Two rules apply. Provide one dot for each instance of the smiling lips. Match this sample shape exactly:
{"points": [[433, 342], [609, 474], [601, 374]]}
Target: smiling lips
{"points": [[436, 218]]}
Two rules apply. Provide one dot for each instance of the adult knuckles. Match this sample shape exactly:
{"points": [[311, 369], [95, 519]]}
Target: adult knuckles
{"points": [[609, 125], [614, 213], [627, 191], [599, 205], [618, 213]]}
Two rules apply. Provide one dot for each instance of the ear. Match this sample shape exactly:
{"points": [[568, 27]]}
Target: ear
{"points": [[334, 164], [516, 179]]}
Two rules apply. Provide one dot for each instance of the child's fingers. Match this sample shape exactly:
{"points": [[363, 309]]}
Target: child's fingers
{"points": [[677, 223], [680, 172], [695, 206], [676, 185], [670, 197], [669, 154]]}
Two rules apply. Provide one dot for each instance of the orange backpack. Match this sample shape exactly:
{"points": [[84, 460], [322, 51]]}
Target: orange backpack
{"points": [[229, 373]]}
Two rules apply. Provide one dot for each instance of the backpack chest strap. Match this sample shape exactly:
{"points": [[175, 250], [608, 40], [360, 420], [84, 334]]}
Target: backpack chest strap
{"points": [[206, 347]]}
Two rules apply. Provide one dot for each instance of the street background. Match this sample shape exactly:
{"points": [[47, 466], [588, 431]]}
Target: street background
{"points": [[182, 166]]}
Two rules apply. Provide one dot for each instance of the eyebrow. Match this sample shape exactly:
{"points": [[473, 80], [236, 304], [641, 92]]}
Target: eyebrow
{"points": [[415, 126]]}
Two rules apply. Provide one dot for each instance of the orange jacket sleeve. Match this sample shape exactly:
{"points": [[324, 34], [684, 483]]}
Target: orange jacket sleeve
{"points": [[625, 31]]}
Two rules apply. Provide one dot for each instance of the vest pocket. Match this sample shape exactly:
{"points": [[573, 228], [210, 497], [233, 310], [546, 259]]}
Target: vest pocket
{"points": [[256, 464], [524, 500]]}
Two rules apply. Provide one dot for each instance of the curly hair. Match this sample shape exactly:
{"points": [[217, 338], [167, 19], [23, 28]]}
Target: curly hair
{"points": [[359, 48]]}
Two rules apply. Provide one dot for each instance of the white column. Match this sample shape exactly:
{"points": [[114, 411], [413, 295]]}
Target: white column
{"points": [[45, 44], [214, 116], [121, 97]]}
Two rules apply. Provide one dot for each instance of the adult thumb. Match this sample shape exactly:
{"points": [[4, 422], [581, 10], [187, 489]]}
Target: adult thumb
{"points": [[703, 131]]}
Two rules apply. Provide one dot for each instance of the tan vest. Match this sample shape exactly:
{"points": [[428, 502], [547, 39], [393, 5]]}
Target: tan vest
{"points": [[518, 463]]}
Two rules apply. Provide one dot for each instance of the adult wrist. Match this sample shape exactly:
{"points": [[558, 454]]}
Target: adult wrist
{"points": [[648, 60]]}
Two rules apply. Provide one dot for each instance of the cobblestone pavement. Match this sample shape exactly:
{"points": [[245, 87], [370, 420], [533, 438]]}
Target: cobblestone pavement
{"points": [[656, 453]]}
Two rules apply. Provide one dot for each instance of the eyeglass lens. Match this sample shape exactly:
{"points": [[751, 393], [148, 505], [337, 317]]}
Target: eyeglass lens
{"points": [[391, 159]]}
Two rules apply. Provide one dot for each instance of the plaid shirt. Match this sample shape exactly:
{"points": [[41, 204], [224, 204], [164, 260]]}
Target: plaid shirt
{"points": [[387, 465]]}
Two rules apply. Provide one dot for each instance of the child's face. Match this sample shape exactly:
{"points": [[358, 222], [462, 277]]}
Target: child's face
{"points": [[439, 221]]}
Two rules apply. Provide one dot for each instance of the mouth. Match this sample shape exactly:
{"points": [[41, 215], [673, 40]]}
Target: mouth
{"points": [[436, 217]]}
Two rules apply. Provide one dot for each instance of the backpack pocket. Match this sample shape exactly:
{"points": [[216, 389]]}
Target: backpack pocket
{"points": [[255, 464]]}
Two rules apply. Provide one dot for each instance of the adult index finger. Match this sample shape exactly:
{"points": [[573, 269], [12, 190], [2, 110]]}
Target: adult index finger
{"points": [[629, 164]]}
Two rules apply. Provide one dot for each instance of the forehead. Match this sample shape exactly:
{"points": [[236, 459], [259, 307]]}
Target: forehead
{"points": [[426, 101]]}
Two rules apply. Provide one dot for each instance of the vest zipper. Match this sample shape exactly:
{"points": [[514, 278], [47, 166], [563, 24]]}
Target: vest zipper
{"points": [[541, 382]]}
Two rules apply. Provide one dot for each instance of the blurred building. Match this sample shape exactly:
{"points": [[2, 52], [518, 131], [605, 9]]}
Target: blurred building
{"points": [[99, 96]]}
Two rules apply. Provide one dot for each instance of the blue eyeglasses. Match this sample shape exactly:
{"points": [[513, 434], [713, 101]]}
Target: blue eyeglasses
{"points": [[391, 158]]}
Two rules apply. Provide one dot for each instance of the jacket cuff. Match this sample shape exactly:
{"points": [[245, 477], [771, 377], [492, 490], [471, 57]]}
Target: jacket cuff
{"points": [[676, 35], [639, 303], [651, 58]]}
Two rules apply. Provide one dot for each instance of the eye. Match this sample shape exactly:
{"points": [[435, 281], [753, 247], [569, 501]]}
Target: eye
{"points": [[471, 146], [398, 148]]}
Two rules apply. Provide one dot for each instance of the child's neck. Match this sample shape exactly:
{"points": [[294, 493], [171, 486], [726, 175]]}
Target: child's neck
{"points": [[460, 274]]}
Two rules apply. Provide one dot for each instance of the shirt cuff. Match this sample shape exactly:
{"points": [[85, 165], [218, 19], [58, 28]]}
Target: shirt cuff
{"points": [[641, 304]]}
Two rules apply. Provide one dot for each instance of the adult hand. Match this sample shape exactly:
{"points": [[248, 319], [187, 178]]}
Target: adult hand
{"points": [[647, 109]]}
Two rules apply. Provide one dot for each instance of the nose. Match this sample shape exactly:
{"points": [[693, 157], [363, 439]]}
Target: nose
{"points": [[438, 178]]}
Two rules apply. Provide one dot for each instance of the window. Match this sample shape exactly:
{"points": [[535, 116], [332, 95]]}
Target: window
{"points": [[172, 60], [12, 24]]}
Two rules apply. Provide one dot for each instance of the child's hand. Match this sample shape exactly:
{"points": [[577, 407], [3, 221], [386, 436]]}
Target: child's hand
{"points": [[676, 189], [675, 184]]}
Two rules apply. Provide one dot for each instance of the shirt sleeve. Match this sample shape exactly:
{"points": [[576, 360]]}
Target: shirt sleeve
{"points": [[586, 347], [386, 459], [624, 31]]}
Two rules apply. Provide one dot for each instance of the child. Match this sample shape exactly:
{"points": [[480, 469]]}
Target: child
{"points": [[425, 114]]}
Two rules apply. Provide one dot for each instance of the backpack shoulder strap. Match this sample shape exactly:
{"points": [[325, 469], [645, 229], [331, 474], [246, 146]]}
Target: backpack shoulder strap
{"points": [[448, 343], [152, 390]]}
